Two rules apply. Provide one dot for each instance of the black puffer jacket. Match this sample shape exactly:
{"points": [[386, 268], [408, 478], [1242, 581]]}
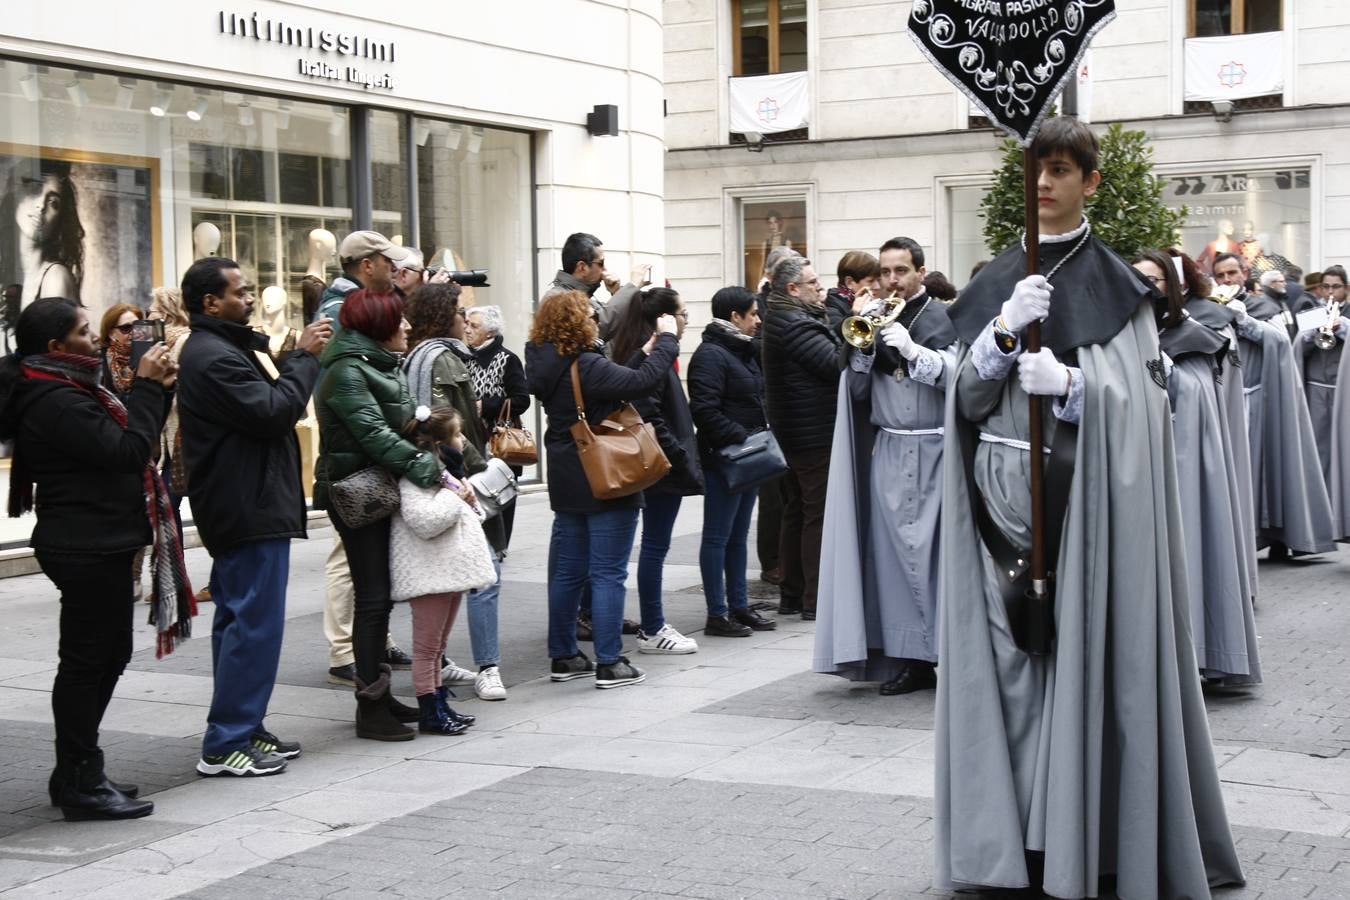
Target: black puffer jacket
{"points": [[726, 389], [604, 386], [668, 411], [801, 374], [89, 471], [239, 444]]}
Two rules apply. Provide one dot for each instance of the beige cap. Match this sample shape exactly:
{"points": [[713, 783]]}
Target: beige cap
{"points": [[360, 244]]}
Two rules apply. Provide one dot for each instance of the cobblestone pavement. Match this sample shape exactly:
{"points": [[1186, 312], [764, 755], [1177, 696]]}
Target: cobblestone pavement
{"points": [[733, 772]]}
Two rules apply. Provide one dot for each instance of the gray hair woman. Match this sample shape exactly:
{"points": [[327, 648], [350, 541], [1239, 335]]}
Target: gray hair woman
{"points": [[498, 376]]}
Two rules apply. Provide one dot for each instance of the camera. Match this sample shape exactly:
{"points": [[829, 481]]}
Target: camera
{"points": [[465, 277]]}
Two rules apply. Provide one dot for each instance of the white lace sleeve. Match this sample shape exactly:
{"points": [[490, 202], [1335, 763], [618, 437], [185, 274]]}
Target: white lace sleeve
{"points": [[928, 366], [1070, 408], [861, 362], [991, 363]]}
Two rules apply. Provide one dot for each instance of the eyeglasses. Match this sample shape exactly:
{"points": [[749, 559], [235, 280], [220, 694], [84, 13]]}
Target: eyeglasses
{"points": [[598, 262], [412, 270], [127, 328], [683, 314], [462, 313], [1158, 280]]}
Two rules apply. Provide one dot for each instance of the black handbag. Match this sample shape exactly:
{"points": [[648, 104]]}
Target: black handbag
{"points": [[363, 497], [752, 462]]}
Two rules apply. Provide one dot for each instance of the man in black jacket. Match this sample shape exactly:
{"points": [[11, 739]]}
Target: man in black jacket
{"points": [[243, 469], [801, 376]]}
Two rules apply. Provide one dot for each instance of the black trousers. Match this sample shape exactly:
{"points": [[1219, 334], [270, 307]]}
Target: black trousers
{"points": [[94, 645], [768, 531], [803, 525], [368, 559]]}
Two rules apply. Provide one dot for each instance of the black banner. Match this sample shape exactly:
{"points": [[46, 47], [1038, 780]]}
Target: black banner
{"points": [[1010, 57]]}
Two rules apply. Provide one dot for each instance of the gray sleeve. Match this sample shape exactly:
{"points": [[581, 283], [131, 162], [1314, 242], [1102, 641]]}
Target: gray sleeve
{"points": [[612, 311], [990, 362]]}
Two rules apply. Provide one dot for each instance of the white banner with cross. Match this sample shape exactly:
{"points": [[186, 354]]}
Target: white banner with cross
{"points": [[1235, 66], [769, 103]]}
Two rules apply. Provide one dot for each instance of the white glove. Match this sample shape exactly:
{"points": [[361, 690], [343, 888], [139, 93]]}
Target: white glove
{"points": [[1041, 374], [1240, 309], [897, 337], [1030, 302], [1342, 327]]}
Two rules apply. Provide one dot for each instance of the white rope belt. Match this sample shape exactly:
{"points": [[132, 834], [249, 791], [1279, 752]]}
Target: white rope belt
{"points": [[1007, 441], [1248, 390], [912, 432], [1322, 384]]}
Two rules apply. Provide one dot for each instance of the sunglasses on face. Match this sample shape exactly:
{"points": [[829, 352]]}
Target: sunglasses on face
{"points": [[125, 329]]}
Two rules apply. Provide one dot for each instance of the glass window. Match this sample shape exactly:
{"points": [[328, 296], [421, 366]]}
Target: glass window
{"points": [[1262, 216], [1213, 18], [965, 232], [770, 36], [388, 190], [766, 224]]}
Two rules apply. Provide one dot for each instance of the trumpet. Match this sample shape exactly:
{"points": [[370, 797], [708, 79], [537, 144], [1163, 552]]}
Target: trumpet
{"points": [[861, 331], [1326, 335]]}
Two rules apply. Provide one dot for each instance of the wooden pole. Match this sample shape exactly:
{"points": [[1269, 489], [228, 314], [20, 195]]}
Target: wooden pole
{"points": [[1039, 613]]}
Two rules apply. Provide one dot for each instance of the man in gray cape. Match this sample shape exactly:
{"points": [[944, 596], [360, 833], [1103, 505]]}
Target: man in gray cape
{"points": [[1321, 380], [1056, 769], [1293, 509], [879, 560]]}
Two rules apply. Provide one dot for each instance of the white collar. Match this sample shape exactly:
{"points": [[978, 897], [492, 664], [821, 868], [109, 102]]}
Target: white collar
{"points": [[1066, 236]]}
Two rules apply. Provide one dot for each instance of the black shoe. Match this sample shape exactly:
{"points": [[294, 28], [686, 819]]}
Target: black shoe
{"points": [[395, 658], [343, 675], [631, 627], [1278, 553], [618, 674], [772, 576], [808, 615], [53, 783], [753, 620], [584, 632], [267, 742], [764, 606], [434, 720], [443, 695], [914, 677], [723, 626], [789, 607], [579, 666], [83, 793], [374, 720]]}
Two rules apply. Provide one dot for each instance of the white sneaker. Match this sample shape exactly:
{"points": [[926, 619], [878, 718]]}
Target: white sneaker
{"points": [[667, 640], [453, 673], [488, 685]]}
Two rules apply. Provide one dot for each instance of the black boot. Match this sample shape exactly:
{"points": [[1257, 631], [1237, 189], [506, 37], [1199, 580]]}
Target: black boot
{"points": [[400, 710], [83, 792], [374, 720], [443, 694], [131, 790], [434, 720]]}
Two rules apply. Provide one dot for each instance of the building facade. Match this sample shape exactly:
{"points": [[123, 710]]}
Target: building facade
{"points": [[136, 137], [891, 148]]}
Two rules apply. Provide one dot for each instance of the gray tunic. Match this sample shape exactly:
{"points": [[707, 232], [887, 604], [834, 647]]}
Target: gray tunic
{"points": [[1338, 474], [877, 603], [1098, 754], [1320, 368], [1223, 626]]}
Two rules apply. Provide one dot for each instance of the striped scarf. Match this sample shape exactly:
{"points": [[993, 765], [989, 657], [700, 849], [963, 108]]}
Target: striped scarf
{"points": [[173, 603]]}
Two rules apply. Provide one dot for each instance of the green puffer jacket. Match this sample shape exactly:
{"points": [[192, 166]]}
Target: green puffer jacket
{"points": [[362, 404]]}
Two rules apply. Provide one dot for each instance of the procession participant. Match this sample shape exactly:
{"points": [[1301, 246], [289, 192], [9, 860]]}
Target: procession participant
{"points": [[879, 562], [1292, 507], [1223, 627], [1232, 403], [1321, 372], [1036, 782]]}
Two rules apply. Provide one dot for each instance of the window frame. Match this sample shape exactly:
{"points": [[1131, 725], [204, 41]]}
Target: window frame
{"points": [[1237, 13], [774, 9]]}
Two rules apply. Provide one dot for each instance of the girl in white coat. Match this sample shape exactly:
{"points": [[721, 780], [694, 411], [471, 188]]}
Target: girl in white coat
{"points": [[437, 551]]}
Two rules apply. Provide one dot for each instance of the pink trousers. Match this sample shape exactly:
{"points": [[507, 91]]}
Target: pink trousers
{"points": [[433, 615]]}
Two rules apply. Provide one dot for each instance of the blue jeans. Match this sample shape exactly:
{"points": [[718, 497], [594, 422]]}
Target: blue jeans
{"points": [[589, 548], [248, 586], [483, 620], [658, 521], [726, 523]]}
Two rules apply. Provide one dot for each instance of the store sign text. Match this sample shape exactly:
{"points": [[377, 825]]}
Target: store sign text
{"points": [[323, 40]]}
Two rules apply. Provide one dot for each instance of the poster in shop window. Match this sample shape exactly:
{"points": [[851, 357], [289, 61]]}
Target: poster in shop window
{"points": [[75, 224]]}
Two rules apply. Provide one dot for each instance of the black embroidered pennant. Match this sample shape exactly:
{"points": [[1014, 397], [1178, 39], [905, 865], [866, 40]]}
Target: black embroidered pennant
{"points": [[1156, 372]]}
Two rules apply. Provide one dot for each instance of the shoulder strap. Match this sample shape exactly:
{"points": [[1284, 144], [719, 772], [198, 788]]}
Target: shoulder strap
{"points": [[576, 390], [504, 415]]}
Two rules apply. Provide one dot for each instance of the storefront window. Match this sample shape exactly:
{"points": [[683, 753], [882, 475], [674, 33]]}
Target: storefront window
{"points": [[966, 232], [1262, 216], [766, 224]]}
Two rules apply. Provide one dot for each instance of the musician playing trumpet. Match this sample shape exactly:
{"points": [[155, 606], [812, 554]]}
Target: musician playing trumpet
{"points": [[879, 559], [1322, 348]]}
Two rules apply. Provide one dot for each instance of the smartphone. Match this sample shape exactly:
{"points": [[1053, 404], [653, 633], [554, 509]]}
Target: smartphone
{"points": [[145, 333]]}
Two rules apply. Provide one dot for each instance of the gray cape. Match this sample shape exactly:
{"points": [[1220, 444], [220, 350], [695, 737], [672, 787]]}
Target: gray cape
{"points": [[1338, 474], [1321, 374], [1222, 622], [1292, 504], [1099, 754]]}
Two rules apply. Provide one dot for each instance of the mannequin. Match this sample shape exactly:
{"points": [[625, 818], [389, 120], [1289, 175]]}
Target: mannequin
{"points": [[1249, 248], [1222, 243], [275, 322], [322, 248], [205, 240]]}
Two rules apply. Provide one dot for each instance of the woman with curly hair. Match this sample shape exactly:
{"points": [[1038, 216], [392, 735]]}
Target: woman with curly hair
{"points": [[592, 539]]}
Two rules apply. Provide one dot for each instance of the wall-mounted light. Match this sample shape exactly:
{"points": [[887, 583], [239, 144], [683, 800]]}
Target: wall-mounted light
{"points": [[603, 120], [475, 139], [29, 85], [126, 92], [284, 114], [159, 107], [453, 138], [198, 110], [1223, 110], [245, 115], [78, 95], [422, 132], [754, 141]]}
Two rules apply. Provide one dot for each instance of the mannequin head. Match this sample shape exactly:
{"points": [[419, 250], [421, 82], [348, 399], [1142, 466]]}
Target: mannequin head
{"points": [[1225, 228], [274, 302], [205, 239], [322, 249]]}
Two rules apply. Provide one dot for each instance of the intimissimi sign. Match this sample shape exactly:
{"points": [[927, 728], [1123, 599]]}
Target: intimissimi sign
{"points": [[337, 46]]}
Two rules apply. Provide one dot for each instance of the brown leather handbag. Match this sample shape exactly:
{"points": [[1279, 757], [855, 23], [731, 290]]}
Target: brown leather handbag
{"points": [[621, 455], [511, 442]]}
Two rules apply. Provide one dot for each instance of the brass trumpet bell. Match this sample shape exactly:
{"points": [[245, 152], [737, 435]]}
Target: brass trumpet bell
{"points": [[861, 331], [1326, 335]]}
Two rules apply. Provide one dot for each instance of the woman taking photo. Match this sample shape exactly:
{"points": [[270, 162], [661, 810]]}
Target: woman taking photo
{"points": [[667, 410], [363, 403], [592, 539], [114, 341], [726, 395], [89, 458]]}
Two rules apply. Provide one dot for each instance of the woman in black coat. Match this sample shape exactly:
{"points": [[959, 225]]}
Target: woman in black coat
{"points": [[498, 379], [668, 412], [592, 539], [100, 502], [726, 395]]}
